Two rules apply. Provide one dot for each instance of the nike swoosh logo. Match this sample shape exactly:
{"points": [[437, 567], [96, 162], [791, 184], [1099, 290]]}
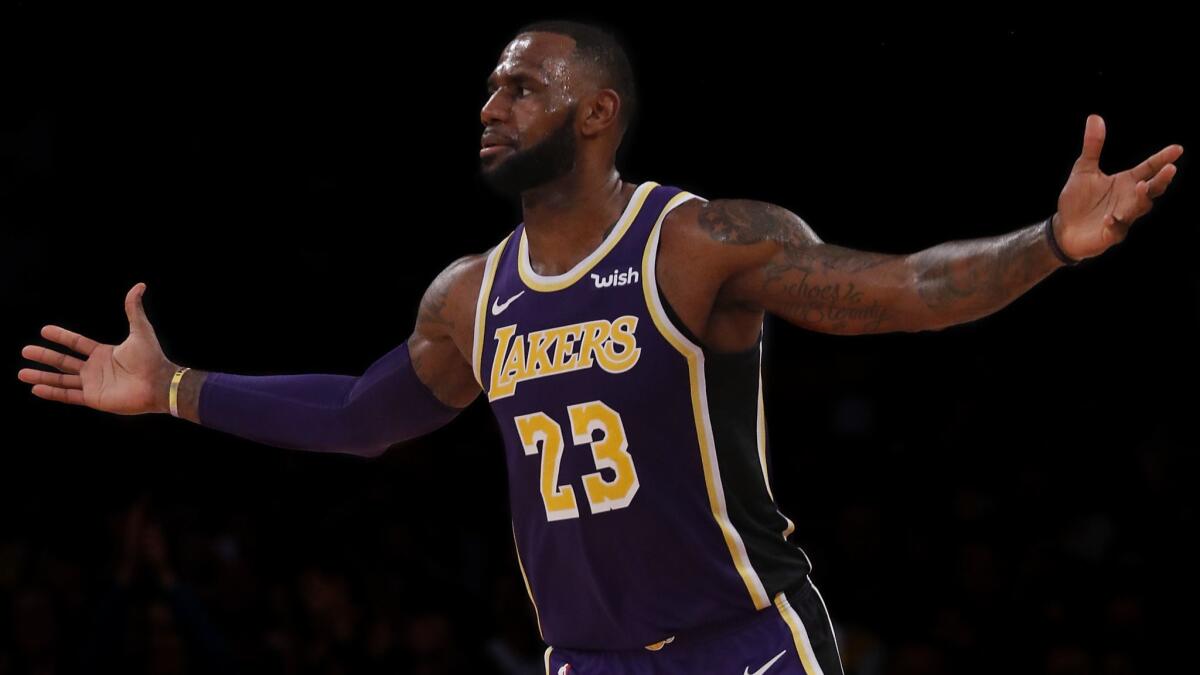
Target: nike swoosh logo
{"points": [[497, 307], [766, 665]]}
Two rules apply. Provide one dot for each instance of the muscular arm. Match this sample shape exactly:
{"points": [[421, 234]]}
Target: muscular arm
{"points": [[413, 389], [778, 264], [440, 343], [439, 363]]}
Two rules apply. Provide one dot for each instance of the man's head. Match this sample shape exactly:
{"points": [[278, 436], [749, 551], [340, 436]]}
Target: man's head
{"points": [[562, 93]]}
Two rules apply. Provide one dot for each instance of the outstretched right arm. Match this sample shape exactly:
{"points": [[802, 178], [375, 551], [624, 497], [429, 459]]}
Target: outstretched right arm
{"points": [[415, 388]]}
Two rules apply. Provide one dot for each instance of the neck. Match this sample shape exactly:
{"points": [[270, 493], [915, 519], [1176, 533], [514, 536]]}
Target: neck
{"points": [[566, 219]]}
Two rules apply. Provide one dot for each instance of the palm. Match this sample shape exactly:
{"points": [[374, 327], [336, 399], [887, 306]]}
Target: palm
{"points": [[119, 379], [123, 379], [1095, 210]]}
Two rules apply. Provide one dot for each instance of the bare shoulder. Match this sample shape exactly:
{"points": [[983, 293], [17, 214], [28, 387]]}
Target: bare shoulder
{"points": [[448, 305], [703, 245], [683, 236], [745, 222], [440, 343], [729, 235]]}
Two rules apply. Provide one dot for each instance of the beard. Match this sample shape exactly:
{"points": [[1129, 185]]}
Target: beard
{"points": [[521, 170]]}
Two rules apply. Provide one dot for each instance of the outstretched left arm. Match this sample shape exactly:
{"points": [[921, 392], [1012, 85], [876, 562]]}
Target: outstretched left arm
{"points": [[781, 266]]}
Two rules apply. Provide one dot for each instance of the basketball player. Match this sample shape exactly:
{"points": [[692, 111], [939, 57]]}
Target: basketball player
{"points": [[617, 334]]}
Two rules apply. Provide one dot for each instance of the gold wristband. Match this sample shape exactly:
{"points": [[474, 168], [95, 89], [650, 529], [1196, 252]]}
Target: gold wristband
{"points": [[173, 398]]}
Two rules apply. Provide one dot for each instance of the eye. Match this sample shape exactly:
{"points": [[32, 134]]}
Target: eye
{"points": [[520, 91]]}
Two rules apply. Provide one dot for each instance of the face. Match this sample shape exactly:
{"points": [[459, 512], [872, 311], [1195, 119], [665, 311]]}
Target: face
{"points": [[529, 136]]}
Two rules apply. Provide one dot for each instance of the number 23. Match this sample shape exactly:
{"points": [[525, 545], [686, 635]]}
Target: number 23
{"points": [[610, 451]]}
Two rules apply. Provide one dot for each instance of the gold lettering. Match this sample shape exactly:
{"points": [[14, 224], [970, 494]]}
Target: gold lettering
{"points": [[566, 356], [622, 334], [594, 335], [539, 354], [501, 386], [575, 346]]}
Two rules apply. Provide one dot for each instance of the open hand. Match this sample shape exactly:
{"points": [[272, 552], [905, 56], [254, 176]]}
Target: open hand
{"points": [[1095, 209], [128, 379]]}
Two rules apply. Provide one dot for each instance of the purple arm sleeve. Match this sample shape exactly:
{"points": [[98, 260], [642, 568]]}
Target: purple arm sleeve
{"points": [[361, 415]]}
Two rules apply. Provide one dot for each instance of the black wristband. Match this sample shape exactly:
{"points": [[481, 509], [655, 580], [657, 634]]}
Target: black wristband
{"points": [[1058, 252]]}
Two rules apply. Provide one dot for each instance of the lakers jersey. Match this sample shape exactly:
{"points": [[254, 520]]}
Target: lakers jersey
{"points": [[637, 459]]}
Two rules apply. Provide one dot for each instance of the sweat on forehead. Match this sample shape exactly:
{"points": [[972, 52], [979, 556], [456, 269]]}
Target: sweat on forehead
{"points": [[549, 57]]}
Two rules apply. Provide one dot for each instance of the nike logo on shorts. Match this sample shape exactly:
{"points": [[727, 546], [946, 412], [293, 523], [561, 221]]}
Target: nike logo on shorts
{"points": [[766, 665]]}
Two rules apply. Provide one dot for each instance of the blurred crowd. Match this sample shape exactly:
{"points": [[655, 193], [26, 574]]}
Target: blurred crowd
{"points": [[171, 600], [971, 578]]}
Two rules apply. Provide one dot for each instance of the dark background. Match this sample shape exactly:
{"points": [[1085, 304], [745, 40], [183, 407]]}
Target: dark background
{"points": [[1010, 494]]}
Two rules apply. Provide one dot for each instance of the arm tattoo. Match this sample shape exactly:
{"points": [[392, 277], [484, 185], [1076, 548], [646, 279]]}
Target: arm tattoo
{"points": [[810, 283], [433, 315], [444, 325], [845, 291], [434, 319], [960, 281]]}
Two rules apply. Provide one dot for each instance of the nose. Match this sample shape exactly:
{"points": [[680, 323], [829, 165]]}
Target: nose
{"points": [[496, 109]]}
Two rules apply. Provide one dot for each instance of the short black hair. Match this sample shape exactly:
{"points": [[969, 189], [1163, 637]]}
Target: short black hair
{"points": [[599, 48]]}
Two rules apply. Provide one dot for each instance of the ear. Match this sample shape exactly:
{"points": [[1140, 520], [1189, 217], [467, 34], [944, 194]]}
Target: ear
{"points": [[599, 111]]}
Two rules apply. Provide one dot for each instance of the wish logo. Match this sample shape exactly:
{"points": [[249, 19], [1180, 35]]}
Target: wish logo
{"points": [[616, 278]]}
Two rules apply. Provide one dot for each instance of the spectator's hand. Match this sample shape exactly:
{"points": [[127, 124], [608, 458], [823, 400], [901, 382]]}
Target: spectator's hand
{"points": [[131, 378], [1095, 209]]}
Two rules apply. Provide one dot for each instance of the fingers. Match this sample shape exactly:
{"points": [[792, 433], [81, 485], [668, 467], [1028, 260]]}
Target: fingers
{"points": [[33, 376], [1158, 185], [1093, 142], [67, 364], [1156, 162], [1116, 227], [70, 339], [138, 322], [1144, 194], [72, 396]]}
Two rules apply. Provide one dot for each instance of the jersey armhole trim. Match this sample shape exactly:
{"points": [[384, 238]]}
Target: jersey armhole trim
{"points": [[694, 355], [485, 291], [655, 303]]}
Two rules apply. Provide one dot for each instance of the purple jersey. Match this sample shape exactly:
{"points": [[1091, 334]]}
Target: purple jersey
{"points": [[637, 459]]}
